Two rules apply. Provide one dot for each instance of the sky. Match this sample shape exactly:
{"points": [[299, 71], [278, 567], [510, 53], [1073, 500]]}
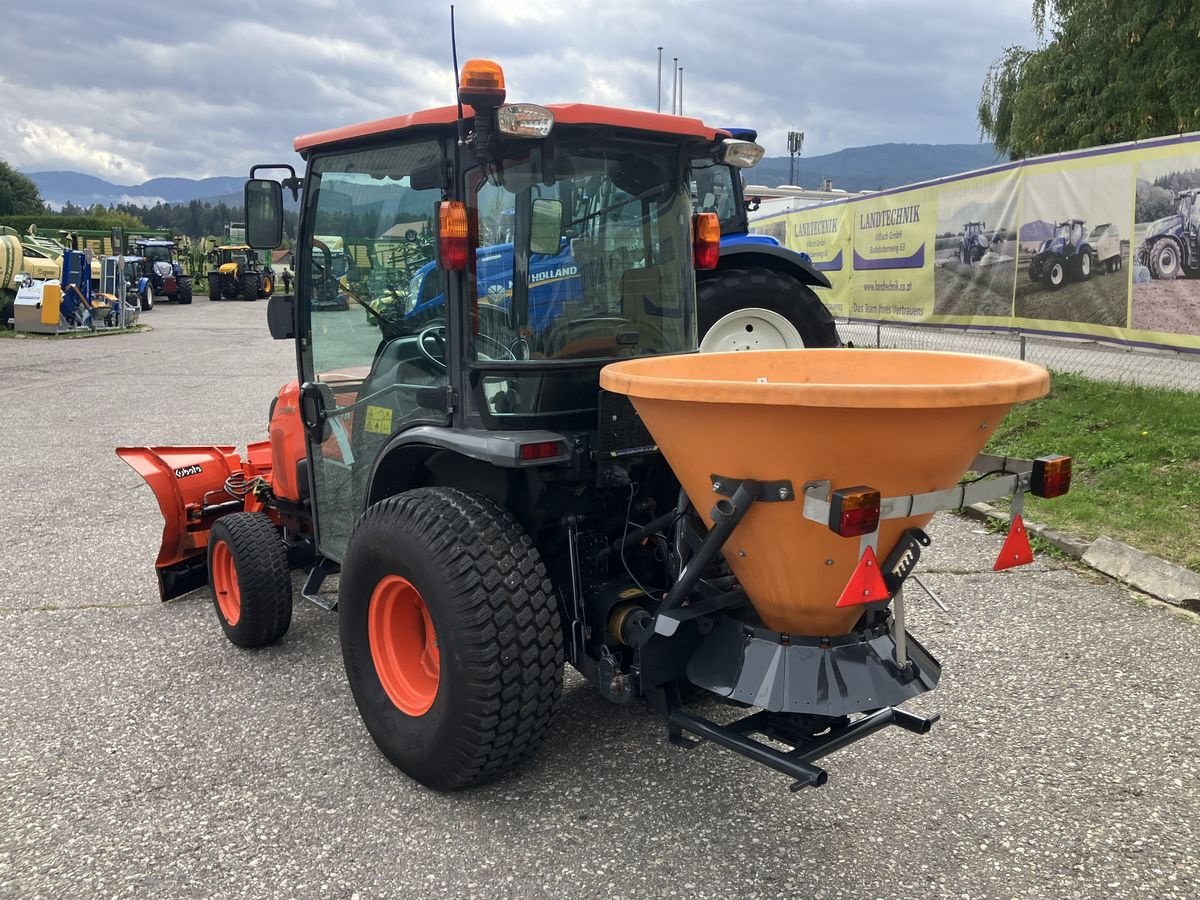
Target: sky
{"points": [[131, 91]]}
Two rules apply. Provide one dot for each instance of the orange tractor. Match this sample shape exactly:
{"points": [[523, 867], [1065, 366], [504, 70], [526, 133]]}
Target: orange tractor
{"points": [[498, 499]]}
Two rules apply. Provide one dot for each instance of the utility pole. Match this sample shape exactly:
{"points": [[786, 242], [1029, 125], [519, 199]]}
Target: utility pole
{"points": [[658, 108], [681, 90], [674, 83], [795, 142]]}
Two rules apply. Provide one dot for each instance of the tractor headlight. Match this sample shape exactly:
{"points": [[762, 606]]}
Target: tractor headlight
{"points": [[742, 154]]}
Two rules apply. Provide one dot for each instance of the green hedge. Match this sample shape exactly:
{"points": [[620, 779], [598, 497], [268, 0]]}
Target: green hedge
{"points": [[50, 225]]}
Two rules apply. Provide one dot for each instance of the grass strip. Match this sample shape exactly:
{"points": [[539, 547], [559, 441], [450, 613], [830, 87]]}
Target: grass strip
{"points": [[1136, 456]]}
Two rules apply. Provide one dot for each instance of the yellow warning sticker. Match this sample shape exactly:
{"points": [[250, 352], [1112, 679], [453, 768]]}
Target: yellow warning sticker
{"points": [[630, 592], [379, 420]]}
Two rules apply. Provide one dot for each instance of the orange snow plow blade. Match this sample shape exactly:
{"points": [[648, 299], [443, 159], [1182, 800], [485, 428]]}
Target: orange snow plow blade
{"points": [[190, 484]]}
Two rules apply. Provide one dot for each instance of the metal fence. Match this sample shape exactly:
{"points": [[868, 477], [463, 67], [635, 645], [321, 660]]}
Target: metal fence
{"points": [[1092, 358]]}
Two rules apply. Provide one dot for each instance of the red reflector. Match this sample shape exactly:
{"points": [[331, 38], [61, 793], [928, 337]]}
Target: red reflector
{"points": [[854, 511], [866, 584], [452, 235], [542, 450], [1016, 550], [1051, 476], [706, 240]]}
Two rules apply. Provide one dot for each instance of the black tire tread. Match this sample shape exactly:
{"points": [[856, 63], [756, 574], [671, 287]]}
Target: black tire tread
{"points": [[250, 286], [507, 627], [214, 285], [732, 289], [264, 579]]}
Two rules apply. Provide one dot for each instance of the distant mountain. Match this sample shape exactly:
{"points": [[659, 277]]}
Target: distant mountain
{"points": [[878, 166], [58, 188], [853, 169]]}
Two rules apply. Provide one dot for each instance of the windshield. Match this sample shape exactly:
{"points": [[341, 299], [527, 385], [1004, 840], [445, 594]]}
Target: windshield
{"points": [[712, 188], [589, 259], [155, 254], [235, 256]]}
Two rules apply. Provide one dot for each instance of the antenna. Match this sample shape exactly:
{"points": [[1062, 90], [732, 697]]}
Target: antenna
{"points": [[454, 56]]}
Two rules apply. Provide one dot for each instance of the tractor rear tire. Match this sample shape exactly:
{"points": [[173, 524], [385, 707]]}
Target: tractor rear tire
{"points": [[147, 299], [450, 636], [734, 297], [214, 285], [251, 582], [1164, 259], [250, 286]]}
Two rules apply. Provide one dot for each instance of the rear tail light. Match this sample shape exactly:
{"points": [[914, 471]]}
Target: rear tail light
{"points": [[453, 235], [1051, 476], [542, 450], [706, 240], [854, 511]]}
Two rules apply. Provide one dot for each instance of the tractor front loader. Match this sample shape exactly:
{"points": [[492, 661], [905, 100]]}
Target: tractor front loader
{"points": [[515, 484]]}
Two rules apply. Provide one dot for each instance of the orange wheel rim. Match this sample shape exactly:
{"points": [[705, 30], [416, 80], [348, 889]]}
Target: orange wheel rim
{"points": [[225, 583], [404, 645]]}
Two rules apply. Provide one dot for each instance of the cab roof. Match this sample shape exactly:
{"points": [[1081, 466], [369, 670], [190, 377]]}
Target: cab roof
{"points": [[564, 114]]}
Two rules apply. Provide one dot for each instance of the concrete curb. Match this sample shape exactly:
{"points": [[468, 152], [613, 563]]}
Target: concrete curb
{"points": [[1156, 577]]}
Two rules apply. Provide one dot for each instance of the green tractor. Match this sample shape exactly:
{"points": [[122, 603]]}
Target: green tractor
{"points": [[238, 275]]}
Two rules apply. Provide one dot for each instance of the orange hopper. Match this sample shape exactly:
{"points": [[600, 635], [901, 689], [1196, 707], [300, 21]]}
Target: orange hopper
{"points": [[900, 421]]}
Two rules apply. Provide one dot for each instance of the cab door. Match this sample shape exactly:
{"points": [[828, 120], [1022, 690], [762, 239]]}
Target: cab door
{"points": [[369, 371]]}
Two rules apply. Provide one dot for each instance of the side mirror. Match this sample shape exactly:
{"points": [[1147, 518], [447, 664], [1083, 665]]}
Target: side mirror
{"points": [[281, 316], [264, 213], [545, 230]]}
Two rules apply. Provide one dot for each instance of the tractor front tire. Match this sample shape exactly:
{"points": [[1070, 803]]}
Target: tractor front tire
{"points": [[450, 636], [1083, 267], [184, 297], [730, 306], [250, 285], [1164, 259], [214, 285], [251, 583], [1055, 273], [147, 299]]}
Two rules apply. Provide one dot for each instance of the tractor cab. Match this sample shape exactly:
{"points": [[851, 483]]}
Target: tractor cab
{"points": [[973, 228], [561, 239]]}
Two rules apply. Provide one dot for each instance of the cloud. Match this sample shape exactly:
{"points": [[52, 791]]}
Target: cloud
{"points": [[201, 89]]}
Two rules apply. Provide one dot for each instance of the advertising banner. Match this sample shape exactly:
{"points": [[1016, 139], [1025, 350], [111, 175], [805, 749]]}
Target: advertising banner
{"points": [[1096, 243], [823, 232], [892, 240]]}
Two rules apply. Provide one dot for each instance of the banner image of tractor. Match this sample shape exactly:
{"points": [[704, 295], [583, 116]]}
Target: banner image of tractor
{"points": [[976, 250], [1166, 270], [1070, 262]]}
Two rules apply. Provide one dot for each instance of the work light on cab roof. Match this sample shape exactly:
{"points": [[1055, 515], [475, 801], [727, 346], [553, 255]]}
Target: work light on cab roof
{"points": [[741, 154]]}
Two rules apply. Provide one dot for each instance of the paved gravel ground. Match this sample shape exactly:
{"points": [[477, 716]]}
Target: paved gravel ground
{"points": [[143, 755]]}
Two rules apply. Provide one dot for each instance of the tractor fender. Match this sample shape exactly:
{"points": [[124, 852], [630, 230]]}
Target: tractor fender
{"points": [[478, 459], [769, 256], [141, 285]]}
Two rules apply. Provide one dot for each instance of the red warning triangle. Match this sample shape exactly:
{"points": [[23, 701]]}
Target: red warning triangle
{"points": [[1016, 550], [866, 584]]}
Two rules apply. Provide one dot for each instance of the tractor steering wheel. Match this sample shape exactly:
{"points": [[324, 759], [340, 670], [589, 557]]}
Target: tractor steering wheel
{"points": [[431, 341]]}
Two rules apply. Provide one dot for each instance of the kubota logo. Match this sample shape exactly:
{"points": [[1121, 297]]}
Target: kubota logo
{"points": [[185, 471]]}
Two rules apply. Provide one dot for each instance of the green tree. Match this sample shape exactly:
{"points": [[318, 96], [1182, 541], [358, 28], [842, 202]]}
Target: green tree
{"points": [[1105, 71], [19, 196]]}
